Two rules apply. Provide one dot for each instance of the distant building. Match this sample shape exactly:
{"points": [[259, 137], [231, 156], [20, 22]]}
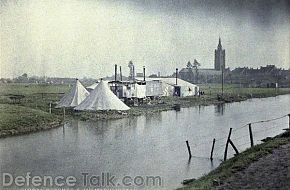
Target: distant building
{"points": [[139, 74], [219, 58], [200, 75], [206, 75], [266, 76]]}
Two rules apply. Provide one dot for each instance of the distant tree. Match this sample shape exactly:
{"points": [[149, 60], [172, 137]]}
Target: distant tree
{"points": [[196, 64], [24, 75], [132, 70], [189, 65], [153, 76]]}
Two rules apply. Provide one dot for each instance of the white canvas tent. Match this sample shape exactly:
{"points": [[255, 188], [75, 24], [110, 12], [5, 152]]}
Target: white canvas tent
{"points": [[102, 98], [186, 88], [166, 86], [92, 87], [77, 94]]}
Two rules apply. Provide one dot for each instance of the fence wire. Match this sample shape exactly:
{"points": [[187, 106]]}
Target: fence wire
{"points": [[217, 149]]}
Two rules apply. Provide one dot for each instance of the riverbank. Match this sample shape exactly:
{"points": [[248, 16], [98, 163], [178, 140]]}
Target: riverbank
{"points": [[255, 168], [17, 120], [37, 99], [168, 103]]}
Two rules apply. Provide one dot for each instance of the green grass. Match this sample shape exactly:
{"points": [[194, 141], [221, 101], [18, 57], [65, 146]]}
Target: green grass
{"points": [[36, 96], [237, 163], [16, 119], [234, 89], [28, 89]]}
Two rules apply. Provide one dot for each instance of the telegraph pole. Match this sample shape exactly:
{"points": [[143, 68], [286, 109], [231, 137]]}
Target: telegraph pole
{"points": [[222, 80]]}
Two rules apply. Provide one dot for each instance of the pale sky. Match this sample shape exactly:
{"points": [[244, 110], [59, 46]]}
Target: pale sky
{"points": [[85, 38]]}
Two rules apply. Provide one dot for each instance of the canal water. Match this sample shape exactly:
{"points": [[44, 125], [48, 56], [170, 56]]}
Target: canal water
{"points": [[143, 146]]}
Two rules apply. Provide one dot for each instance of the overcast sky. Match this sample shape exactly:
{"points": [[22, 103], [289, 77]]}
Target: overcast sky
{"points": [[85, 38]]}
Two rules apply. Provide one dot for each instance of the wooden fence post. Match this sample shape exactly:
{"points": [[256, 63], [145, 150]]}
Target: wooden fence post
{"points": [[251, 135], [289, 120], [235, 148], [212, 148], [188, 148], [227, 144]]}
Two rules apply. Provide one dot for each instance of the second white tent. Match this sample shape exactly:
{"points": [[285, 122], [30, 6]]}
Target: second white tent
{"points": [[102, 98]]}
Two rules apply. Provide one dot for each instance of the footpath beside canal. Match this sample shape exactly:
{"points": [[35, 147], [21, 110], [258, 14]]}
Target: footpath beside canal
{"points": [[265, 166], [269, 172]]}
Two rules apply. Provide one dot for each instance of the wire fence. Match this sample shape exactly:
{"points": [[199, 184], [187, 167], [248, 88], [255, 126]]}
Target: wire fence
{"points": [[217, 147]]}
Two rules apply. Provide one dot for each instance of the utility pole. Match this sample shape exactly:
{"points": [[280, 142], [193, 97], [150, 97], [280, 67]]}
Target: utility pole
{"points": [[222, 80]]}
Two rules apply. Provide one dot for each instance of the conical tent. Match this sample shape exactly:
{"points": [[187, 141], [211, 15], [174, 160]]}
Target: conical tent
{"points": [[102, 98], [92, 87], [77, 94]]}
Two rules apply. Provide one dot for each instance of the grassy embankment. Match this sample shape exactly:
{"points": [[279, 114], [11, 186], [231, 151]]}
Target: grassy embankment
{"points": [[237, 163], [15, 120], [31, 113], [37, 98]]}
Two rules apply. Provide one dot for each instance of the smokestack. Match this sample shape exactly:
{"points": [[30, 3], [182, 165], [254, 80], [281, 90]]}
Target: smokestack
{"points": [[133, 73], [116, 67], [121, 73], [144, 73], [176, 76]]}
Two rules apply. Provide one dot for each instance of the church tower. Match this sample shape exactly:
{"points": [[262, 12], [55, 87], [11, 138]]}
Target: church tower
{"points": [[219, 59]]}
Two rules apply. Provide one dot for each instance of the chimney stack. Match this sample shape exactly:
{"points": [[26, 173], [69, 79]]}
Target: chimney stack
{"points": [[176, 76], [121, 73], [116, 67], [144, 73]]}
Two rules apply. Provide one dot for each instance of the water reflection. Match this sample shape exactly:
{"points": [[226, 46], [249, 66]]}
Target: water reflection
{"points": [[146, 145], [220, 109], [153, 118]]}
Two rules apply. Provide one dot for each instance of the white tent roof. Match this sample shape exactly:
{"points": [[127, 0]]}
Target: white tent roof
{"points": [[102, 98], [93, 86], [171, 81], [77, 94]]}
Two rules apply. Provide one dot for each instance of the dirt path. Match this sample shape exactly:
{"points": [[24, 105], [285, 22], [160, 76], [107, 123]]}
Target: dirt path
{"points": [[270, 172]]}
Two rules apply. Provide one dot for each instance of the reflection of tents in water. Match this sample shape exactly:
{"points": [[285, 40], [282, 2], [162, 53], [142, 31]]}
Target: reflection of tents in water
{"points": [[77, 94], [102, 98]]}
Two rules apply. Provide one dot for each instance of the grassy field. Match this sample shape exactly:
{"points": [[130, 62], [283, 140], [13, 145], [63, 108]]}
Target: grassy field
{"points": [[232, 89], [37, 98], [16, 120], [31, 112], [237, 163]]}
